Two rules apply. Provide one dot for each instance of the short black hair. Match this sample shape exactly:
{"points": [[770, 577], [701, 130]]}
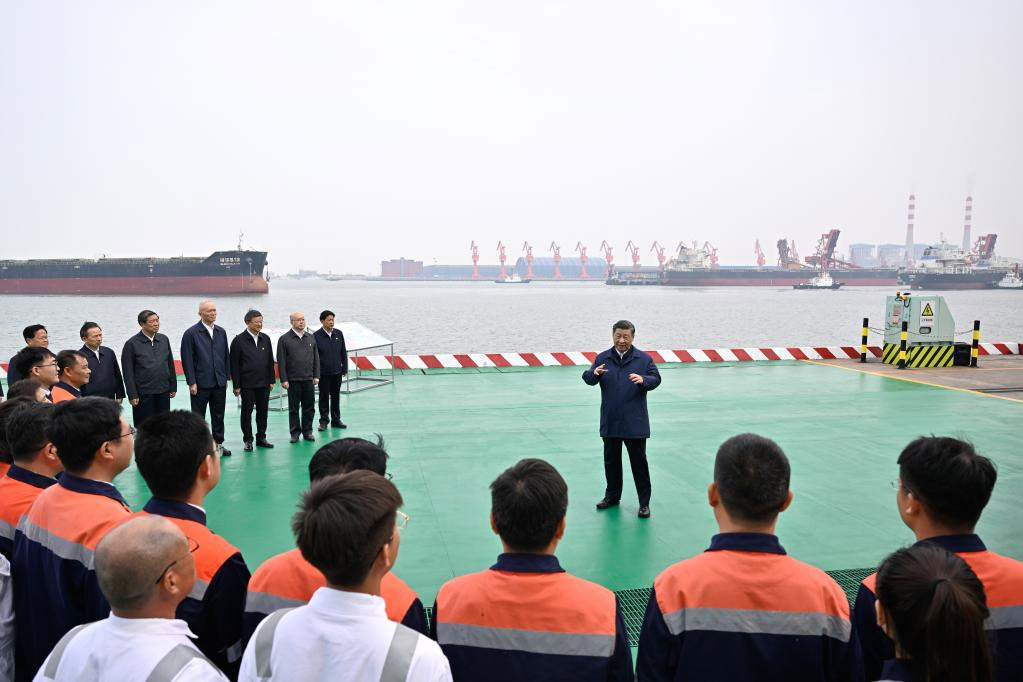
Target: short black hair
{"points": [[7, 408], [949, 478], [29, 332], [752, 475], [68, 358], [26, 429], [24, 388], [30, 356], [145, 315], [325, 314], [169, 449], [251, 314], [86, 328], [342, 523], [623, 324], [528, 502], [348, 454], [80, 427]]}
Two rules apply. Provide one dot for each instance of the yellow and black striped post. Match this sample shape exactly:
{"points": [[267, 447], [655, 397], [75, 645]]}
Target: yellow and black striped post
{"points": [[902, 345], [863, 342], [975, 351]]}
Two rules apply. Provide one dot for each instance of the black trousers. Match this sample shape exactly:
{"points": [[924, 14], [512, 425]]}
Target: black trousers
{"points": [[148, 406], [613, 468], [301, 395], [330, 396], [258, 398], [215, 397]]}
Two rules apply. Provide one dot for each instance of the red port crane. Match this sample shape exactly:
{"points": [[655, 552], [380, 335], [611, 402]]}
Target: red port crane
{"points": [[582, 259], [713, 251], [475, 260], [634, 252], [761, 259], [501, 257], [824, 259], [609, 256], [556, 250], [528, 250], [661, 258]]}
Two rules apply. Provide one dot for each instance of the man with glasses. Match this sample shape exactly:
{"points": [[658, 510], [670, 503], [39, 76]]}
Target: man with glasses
{"points": [[37, 363], [177, 457], [942, 489], [141, 639], [148, 365], [347, 527], [288, 580], [56, 539]]}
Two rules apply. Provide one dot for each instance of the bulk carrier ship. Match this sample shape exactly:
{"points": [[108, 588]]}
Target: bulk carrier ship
{"points": [[222, 272]]}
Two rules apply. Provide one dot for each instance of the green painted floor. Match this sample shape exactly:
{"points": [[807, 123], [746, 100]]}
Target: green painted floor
{"points": [[450, 433]]}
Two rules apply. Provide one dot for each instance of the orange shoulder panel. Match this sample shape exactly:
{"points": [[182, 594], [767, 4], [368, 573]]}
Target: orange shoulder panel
{"points": [[1002, 577], [15, 499], [80, 518], [548, 602], [398, 596], [287, 575], [213, 550], [770, 582], [59, 395]]}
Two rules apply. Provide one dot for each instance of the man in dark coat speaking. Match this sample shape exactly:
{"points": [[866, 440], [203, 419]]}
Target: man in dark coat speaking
{"points": [[625, 375]]}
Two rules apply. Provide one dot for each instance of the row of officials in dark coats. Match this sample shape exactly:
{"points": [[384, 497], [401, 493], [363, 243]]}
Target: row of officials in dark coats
{"points": [[147, 377], [101, 593]]}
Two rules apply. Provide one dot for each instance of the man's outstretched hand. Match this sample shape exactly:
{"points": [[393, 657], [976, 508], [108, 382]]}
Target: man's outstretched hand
{"points": [[597, 371]]}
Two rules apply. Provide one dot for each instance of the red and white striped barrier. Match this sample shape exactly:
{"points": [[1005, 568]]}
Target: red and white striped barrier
{"points": [[576, 358]]}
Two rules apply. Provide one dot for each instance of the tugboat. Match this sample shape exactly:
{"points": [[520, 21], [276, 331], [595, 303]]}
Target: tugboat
{"points": [[1012, 280], [821, 281], [512, 279]]}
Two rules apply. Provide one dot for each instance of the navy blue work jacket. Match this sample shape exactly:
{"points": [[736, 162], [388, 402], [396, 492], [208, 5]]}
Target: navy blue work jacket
{"points": [[204, 358], [333, 354], [623, 412]]}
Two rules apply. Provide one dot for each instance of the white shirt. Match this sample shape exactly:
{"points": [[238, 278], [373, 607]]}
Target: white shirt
{"points": [[340, 635], [209, 328], [255, 337], [127, 649], [95, 352], [6, 622]]}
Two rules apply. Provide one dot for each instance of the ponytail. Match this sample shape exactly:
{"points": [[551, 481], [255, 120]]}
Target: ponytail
{"points": [[936, 610]]}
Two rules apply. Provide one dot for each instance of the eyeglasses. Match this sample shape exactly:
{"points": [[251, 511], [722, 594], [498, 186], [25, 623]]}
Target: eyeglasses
{"points": [[49, 364], [192, 546], [131, 432], [401, 520], [897, 484]]}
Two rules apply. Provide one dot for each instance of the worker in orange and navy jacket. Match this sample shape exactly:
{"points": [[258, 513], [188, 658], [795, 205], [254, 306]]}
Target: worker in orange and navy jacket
{"points": [[744, 609], [55, 539], [177, 457], [942, 490], [288, 580], [34, 469], [73, 372], [526, 618]]}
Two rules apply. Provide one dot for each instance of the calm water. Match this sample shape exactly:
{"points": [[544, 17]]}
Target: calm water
{"points": [[449, 317]]}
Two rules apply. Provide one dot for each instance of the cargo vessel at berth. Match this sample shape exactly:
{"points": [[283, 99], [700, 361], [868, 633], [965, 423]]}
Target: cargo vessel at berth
{"points": [[946, 266], [697, 267], [222, 272]]}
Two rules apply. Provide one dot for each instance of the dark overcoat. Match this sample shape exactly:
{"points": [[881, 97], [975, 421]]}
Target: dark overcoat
{"points": [[623, 412]]}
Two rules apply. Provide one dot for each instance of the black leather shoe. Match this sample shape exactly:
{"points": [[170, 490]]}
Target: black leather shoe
{"points": [[644, 512], [294, 438], [322, 426], [607, 504], [309, 436], [248, 446], [224, 452], [264, 443], [339, 425]]}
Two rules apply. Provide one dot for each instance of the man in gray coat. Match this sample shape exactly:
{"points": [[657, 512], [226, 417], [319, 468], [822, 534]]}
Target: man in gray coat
{"points": [[298, 365], [147, 364]]}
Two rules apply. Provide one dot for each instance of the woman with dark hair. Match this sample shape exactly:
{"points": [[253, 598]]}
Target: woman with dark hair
{"points": [[932, 605]]}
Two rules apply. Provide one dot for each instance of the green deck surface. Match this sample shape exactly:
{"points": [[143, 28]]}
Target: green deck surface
{"points": [[450, 433]]}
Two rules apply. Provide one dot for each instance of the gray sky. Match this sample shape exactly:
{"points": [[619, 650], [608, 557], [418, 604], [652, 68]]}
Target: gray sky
{"points": [[336, 134]]}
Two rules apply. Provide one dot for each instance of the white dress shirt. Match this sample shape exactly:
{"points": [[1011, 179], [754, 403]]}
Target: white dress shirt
{"points": [[128, 649], [340, 635]]}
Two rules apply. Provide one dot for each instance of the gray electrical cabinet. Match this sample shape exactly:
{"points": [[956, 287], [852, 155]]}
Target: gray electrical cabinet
{"points": [[930, 321]]}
